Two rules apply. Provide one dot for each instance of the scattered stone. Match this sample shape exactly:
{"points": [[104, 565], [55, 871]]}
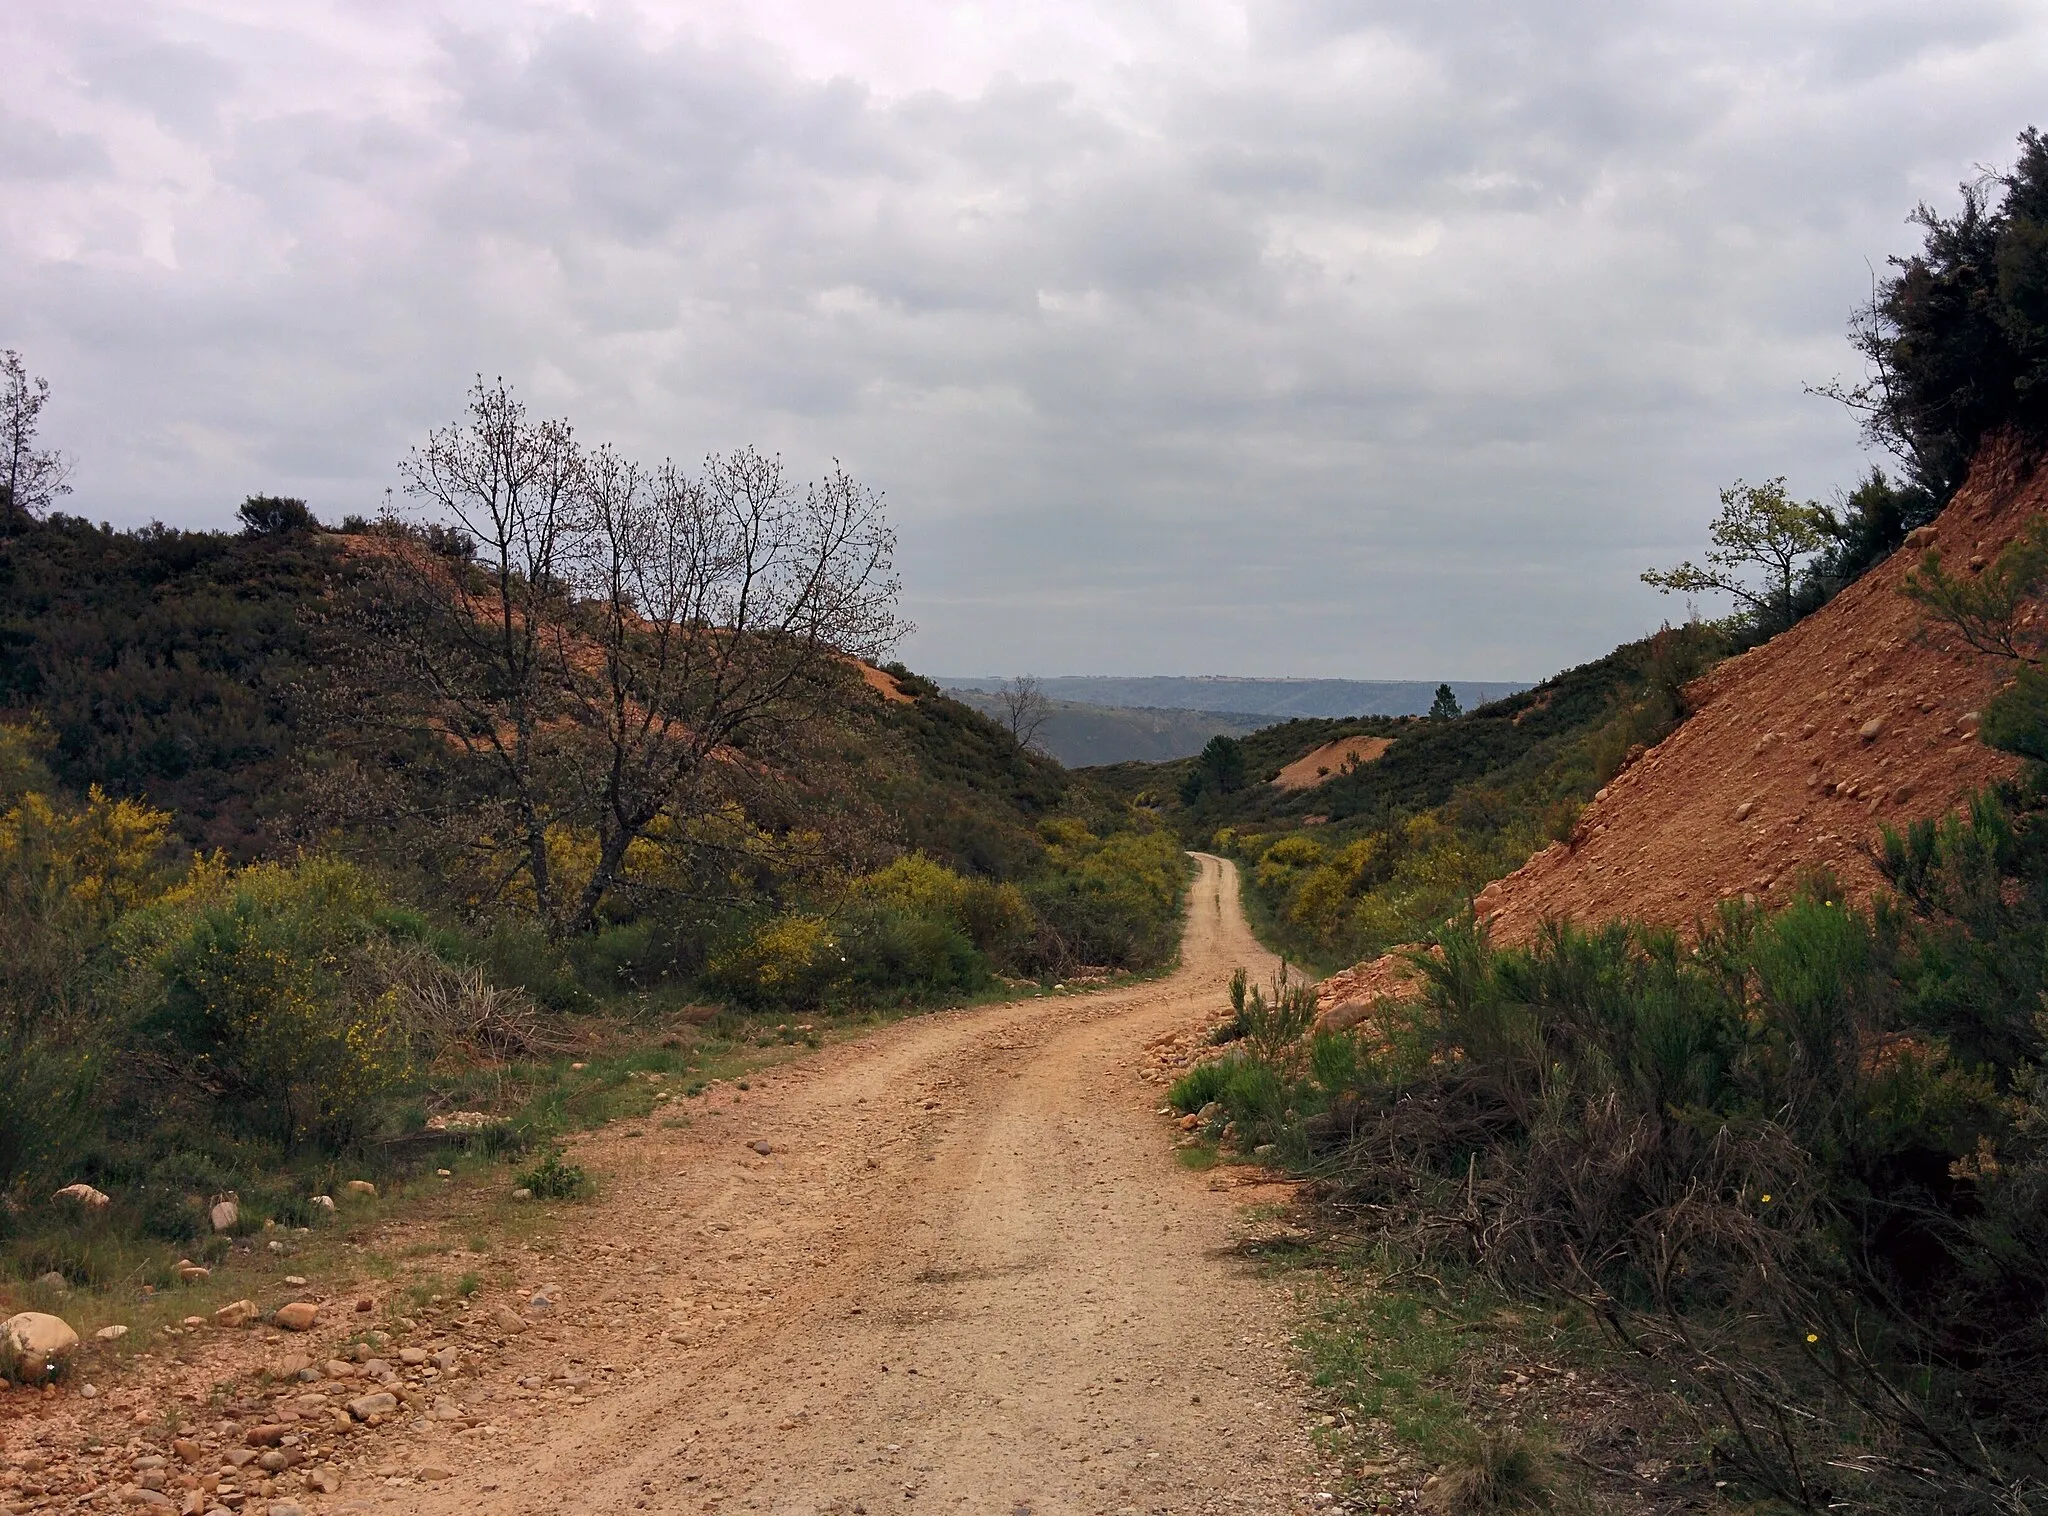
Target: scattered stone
{"points": [[35, 1346], [187, 1450], [542, 1301], [189, 1272], [112, 1333], [225, 1213], [291, 1365], [323, 1480], [296, 1281], [323, 1203], [412, 1357], [763, 1148], [85, 1195], [286, 1508], [54, 1281], [1742, 811], [236, 1313], [376, 1403], [448, 1360], [505, 1319], [298, 1316], [361, 1187], [435, 1471], [340, 1368], [266, 1434], [1872, 729], [522, 1193], [1920, 536], [463, 1121]]}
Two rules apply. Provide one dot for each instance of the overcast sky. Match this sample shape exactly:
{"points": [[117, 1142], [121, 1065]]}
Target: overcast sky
{"points": [[1314, 337]]}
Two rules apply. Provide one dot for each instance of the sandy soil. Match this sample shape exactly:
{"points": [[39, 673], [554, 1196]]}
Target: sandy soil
{"points": [[1327, 761], [969, 1277]]}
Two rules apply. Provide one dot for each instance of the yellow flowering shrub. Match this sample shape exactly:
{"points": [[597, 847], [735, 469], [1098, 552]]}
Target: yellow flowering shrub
{"points": [[263, 982]]}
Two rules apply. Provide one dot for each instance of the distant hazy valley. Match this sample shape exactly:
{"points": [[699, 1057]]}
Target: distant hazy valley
{"points": [[1107, 719]]}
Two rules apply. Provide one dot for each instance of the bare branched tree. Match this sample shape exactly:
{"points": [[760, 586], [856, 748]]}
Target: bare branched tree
{"points": [[726, 611], [620, 650], [1024, 707], [31, 478]]}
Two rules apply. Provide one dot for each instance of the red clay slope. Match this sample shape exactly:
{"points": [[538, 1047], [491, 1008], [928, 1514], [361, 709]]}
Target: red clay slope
{"points": [[1774, 773]]}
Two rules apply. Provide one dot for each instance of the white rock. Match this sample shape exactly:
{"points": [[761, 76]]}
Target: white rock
{"points": [[323, 1203], [112, 1333], [361, 1187], [224, 1213], [85, 1195], [34, 1346]]}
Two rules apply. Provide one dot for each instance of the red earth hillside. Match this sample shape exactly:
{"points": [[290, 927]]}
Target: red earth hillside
{"points": [[1795, 754]]}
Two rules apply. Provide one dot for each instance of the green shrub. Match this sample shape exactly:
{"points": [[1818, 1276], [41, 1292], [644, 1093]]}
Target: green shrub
{"points": [[555, 1178], [1198, 1086], [786, 961], [260, 984], [891, 955]]}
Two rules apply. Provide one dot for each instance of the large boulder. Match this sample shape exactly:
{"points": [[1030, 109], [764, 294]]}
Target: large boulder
{"points": [[85, 1195], [34, 1347]]}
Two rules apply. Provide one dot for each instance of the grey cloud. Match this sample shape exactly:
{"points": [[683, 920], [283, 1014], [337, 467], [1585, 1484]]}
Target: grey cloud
{"points": [[31, 150], [1395, 345]]}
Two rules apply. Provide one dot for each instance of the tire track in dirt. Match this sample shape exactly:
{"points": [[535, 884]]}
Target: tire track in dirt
{"points": [[968, 1277]]}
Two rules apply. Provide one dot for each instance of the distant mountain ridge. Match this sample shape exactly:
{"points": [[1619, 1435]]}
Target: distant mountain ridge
{"points": [[1276, 698]]}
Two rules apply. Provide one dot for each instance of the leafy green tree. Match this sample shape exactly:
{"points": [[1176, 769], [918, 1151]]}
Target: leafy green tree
{"points": [[1760, 527], [1445, 707], [1220, 766], [1956, 340], [268, 515]]}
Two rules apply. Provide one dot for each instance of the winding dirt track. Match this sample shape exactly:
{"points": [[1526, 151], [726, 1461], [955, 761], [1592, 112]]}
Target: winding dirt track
{"points": [[968, 1278]]}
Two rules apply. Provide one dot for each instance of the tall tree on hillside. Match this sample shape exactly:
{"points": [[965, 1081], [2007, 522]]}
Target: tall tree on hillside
{"points": [[1024, 707], [1220, 766], [1760, 527], [1445, 706], [728, 610], [31, 478], [1955, 338], [615, 649]]}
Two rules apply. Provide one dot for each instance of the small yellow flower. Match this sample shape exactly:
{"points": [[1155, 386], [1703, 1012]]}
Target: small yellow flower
{"points": [[1766, 1199], [1813, 1337]]}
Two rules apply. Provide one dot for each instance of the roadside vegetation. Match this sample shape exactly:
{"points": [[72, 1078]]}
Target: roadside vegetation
{"points": [[1768, 1194], [333, 854]]}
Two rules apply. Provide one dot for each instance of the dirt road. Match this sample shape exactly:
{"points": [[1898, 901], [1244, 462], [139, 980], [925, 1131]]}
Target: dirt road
{"points": [[968, 1277]]}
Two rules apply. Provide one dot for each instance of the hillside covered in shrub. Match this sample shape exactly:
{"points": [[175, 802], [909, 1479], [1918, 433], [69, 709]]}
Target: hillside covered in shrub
{"points": [[299, 827]]}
